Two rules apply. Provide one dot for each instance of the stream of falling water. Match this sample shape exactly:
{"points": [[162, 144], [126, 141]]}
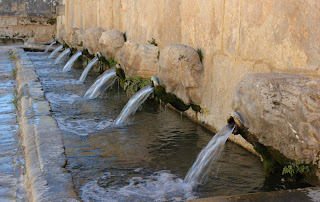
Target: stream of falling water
{"points": [[88, 67], [62, 55], [69, 64], [203, 164], [47, 49], [133, 104], [102, 83], [55, 51]]}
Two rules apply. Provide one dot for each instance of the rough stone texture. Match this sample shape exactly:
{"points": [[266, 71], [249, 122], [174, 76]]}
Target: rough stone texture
{"points": [[70, 34], [110, 43], [282, 111], [92, 37], [138, 59], [181, 72], [11, 155], [236, 37], [78, 39], [24, 19], [46, 176]]}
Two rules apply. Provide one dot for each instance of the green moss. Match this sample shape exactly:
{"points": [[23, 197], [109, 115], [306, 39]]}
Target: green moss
{"points": [[199, 51], [122, 76], [196, 108], [170, 98], [15, 101], [12, 55], [86, 53], [52, 21], [110, 62], [134, 84]]}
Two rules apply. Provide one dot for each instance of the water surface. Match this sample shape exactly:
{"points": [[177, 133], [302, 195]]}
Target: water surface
{"points": [[146, 160]]}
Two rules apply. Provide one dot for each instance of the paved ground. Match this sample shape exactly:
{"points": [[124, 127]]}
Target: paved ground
{"points": [[11, 156]]}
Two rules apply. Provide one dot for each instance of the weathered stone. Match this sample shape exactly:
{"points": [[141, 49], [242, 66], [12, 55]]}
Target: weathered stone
{"points": [[61, 37], [138, 59], [8, 21], [282, 111], [70, 33], [180, 70], [92, 37], [110, 43], [78, 39]]}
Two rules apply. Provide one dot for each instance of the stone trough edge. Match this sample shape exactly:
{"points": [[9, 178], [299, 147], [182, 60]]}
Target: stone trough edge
{"points": [[47, 179]]}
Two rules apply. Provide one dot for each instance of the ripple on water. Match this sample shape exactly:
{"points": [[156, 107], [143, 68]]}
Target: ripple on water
{"points": [[82, 127], [160, 186], [62, 99]]}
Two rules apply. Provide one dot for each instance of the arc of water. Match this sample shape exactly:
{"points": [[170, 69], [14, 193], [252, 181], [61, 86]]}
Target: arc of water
{"points": [[133, 104], [62, 55], [55, 51], [103, 82], [47, 49], [69, 64], [88, 67], [208, 155]]}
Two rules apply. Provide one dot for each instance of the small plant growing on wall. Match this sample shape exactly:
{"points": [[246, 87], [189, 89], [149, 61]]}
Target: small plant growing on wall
{"points": [[125, 36], [153, 42], [294, 168], [52, 21], [199, 51]]}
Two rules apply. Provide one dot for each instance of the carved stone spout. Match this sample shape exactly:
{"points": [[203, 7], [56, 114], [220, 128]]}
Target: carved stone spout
{"points": [[281, 111]]}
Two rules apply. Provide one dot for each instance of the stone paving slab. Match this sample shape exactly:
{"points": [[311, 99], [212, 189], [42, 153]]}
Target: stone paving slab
{"points": [[47, 178], [11, 156]]}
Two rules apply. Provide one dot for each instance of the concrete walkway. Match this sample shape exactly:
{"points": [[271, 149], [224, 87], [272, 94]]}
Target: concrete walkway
{"points": [[11, 155]]}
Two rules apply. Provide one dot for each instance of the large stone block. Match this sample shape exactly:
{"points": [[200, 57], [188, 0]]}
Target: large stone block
{"points": [[138, 59], [110, 43], [181, 71], [282, 111], [70, 33], [78, 39], [92, 37]]}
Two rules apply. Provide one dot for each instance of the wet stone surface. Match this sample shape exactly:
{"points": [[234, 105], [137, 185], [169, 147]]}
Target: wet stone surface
{"points": [[11, 156]]}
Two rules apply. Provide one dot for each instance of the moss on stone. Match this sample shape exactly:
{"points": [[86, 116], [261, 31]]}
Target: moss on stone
{"points": [[170, 98], [134, 84], [86, 53], [121, 75], [195, 108]]}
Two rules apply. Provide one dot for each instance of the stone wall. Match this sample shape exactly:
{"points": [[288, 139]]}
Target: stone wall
{"points": [[24, 19], [237, 37]]}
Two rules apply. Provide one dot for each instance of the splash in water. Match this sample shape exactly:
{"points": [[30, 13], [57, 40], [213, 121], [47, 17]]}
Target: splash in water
{"points": [[62, 55], [160, 186], [133, 104], [69, 64], [208, 155], [88, 67], [103, 82], [55, 51], [47, 49]]}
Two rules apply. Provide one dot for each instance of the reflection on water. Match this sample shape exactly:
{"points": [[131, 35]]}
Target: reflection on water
{"points": [[146, 160]]}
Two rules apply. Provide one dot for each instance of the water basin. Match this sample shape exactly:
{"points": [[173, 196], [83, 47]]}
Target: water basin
{"points": [[146, 160]]}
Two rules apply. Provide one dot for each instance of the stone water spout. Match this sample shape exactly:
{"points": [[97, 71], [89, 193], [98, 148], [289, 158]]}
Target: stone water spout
{"points": [[48, 48], [281, 113], [89, 66]]}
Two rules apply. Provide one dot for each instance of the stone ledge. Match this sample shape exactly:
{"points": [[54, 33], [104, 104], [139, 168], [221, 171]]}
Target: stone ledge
{"points": [[47, 179], [306, 194]]}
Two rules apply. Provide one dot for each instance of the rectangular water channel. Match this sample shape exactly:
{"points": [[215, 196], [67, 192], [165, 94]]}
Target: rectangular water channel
{"points": [[146, 160]]}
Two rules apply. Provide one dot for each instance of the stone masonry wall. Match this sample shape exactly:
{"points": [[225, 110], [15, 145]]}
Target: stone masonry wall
{"points": [[237, 37], [24, 19]]}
